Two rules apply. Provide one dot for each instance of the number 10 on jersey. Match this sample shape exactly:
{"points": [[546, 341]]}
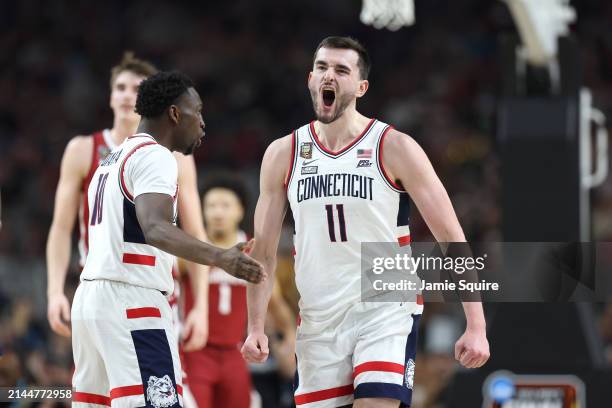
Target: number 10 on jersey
{"points": [[329, 208]]}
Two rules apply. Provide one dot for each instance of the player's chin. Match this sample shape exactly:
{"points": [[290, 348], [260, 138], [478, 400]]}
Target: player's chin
{"points": [[326, 118], [189, 150]]}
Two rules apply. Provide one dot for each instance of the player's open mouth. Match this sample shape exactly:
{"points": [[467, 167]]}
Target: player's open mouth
{"points": [[329, 96]]}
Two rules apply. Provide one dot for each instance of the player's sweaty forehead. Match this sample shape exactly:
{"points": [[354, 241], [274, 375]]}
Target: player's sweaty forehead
{"points": [[337, 58]]}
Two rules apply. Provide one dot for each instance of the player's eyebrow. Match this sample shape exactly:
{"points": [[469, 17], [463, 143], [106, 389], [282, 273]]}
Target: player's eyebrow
{"points": [[342, 66], [338, 66]]}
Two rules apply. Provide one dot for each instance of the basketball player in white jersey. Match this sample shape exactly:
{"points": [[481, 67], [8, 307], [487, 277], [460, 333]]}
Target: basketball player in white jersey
{"points": [[347, 178], [124, 345], [81, 158]]}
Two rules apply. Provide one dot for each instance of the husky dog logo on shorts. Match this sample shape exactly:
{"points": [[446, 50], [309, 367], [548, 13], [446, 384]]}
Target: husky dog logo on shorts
{"points": [[160, 391], [409, 376]]}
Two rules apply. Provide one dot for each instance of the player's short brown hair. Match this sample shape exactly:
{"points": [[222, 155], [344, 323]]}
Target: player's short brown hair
{"points": [[130, 63], [348, 43]]}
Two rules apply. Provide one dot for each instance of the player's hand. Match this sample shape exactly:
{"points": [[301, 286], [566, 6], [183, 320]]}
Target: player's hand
{"points": [[472, 349], [195, 330], [235, 262], [255, 348], [58, 314]]}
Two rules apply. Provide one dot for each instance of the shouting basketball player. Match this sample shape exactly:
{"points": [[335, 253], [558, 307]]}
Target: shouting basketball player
{"points": [[349, 352], [123, 340]]}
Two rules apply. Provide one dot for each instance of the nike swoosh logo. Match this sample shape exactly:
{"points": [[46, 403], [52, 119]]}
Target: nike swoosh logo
{"points": [[306, 163]]}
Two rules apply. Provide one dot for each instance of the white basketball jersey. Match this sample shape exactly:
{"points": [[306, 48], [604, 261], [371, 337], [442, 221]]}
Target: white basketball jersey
{"points": [[117, 247], [339, 200]]}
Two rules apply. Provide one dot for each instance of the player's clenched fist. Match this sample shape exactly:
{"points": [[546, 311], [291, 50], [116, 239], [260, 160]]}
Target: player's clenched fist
{"points": [[235, 262], [255, 348], [472, 349]]}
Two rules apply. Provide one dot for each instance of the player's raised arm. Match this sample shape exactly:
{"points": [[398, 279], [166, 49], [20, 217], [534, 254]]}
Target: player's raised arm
{"points": [[190, 215], [269, 215], [405, 160], [73, 171]]}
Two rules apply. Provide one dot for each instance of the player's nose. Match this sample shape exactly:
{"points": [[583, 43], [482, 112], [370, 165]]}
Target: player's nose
{"points": [[328, 76]]}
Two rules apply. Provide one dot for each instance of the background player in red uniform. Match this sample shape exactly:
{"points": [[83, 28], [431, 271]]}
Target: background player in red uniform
{"points": [[218, 374], [80, 160]]}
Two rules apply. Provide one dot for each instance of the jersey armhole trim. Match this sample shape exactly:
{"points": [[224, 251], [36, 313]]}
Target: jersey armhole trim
{"points": [[292, 163], [94, 153], [381, 166], [122, 185]]}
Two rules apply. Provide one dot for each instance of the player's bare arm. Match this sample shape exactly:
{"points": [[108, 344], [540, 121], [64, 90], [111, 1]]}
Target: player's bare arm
{"points": [[269, 215], [195, 325], [405, 160], [73, 171], [154, 213]]}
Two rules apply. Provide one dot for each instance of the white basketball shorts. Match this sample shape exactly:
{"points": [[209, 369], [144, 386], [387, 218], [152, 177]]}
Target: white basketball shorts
{"points": [[124, 346], [367, 351]]}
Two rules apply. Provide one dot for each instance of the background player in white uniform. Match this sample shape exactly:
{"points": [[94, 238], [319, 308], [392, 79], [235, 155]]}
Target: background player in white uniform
{"points": [[344, 176], [82, 156], [123, 342]]}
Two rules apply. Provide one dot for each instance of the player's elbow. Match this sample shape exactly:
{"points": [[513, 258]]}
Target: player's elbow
{"points": [[155, 234]]}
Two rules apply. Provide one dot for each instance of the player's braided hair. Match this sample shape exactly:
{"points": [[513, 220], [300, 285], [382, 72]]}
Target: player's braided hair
{"points": [[227, 181], [158, 92]]}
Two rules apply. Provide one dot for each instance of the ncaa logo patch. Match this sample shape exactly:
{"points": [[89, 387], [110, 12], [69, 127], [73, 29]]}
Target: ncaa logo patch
{"points": [[409, 374], [103, 152], [160, 392], [306, 150]]}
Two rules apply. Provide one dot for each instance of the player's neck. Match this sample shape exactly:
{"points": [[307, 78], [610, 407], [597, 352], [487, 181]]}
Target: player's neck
{"points": [[224, 239], [122, 130], [341, 132], [157, 130]]}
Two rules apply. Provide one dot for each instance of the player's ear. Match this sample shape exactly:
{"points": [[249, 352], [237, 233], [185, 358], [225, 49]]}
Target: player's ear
{"points": [[174, 113], [309, 77], [363, 88]]}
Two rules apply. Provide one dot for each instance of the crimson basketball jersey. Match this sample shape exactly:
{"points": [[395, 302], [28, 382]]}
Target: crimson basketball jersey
{"points": [[227, 306], [102, 146], [117, 247], [339, 200]]}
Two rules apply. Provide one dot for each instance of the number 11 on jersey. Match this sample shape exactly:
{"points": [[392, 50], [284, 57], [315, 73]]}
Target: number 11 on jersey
{"points": [[330, 222], [96, 211]]}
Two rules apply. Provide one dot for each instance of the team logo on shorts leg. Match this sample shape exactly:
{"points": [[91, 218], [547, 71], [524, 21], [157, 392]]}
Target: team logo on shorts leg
{"points": [[409, 375], [160, 392], [306, 150]]}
